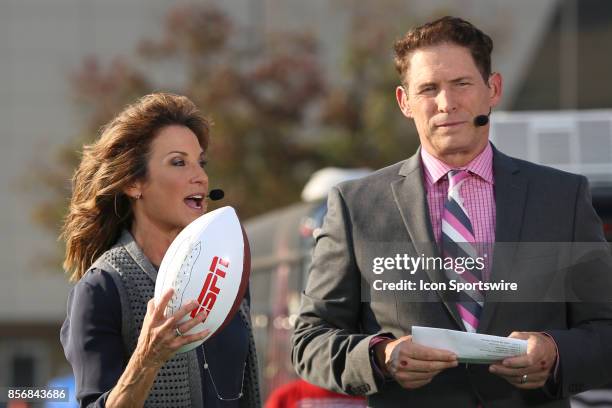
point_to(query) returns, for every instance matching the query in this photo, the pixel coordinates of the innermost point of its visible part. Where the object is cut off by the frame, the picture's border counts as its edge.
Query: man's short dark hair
(447, 29)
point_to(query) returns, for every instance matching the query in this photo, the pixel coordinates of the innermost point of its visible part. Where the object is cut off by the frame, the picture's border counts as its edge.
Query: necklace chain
(207, 368)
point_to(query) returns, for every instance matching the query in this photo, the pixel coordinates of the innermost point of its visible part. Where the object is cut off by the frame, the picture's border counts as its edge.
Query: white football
(209, 261)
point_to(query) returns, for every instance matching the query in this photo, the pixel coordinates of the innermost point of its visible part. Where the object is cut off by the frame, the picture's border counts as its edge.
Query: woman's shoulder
(99, 278)
(114, 258)
(125, 259)
(98, 285)
(103, 278)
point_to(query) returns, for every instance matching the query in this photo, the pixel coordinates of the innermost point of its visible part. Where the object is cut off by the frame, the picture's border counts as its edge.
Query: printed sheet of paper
(471, 348)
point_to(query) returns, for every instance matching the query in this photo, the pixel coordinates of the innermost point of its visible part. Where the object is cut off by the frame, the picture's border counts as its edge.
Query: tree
(276, 116)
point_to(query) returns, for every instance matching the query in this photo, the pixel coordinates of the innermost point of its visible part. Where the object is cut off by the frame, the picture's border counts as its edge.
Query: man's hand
(410, 364)
(530, 370)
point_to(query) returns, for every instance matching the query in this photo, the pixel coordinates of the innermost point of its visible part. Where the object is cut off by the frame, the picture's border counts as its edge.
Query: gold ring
(178, 332)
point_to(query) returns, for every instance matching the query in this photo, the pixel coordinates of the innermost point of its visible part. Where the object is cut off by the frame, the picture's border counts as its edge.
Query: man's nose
(446, 101)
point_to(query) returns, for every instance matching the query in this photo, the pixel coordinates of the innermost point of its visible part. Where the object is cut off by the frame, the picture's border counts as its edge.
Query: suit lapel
(411, 199)
(510, 196)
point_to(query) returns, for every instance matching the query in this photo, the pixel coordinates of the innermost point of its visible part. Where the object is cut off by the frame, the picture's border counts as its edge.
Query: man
(456, 189)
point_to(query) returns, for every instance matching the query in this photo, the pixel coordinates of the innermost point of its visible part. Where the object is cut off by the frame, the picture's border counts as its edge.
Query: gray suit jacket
(334, 327)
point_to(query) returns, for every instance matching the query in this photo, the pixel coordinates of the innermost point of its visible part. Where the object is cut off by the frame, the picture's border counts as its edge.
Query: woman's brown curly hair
(99, 208)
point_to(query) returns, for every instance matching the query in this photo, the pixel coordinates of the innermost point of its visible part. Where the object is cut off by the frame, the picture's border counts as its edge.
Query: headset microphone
(482, 120)
(215, 194)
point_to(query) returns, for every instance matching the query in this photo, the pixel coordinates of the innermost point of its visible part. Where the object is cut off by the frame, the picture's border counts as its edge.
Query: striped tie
(458, 241)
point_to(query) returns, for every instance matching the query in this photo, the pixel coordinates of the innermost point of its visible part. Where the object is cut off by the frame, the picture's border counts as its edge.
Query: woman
(136, 188)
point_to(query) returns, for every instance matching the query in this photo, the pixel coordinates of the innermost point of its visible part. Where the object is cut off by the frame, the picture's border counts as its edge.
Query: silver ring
(524, 379)
(178, 332)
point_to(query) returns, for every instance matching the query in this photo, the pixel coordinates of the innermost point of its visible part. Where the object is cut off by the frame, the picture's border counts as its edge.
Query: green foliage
(277, 116)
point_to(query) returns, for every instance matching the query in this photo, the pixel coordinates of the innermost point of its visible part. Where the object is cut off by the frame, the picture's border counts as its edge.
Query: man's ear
(401, 95)
(495, 88)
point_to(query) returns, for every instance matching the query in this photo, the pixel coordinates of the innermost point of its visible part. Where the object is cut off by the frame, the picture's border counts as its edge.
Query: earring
(138, 196)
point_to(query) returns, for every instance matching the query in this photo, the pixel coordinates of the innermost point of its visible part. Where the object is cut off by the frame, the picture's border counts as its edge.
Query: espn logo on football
(210, 290)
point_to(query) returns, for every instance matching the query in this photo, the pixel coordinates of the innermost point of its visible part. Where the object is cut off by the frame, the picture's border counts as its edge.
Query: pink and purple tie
(458, 242)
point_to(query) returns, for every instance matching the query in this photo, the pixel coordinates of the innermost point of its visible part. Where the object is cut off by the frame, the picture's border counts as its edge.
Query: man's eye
(178, 162)
(427, 89)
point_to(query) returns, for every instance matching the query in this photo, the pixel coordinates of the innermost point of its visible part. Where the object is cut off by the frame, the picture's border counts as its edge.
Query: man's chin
(452, 148)
(453, 145)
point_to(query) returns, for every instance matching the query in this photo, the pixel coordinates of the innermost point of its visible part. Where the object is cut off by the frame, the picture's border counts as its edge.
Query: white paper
(471, 348)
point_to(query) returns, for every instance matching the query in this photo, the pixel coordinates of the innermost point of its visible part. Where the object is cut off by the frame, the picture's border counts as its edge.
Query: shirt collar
(481, 165)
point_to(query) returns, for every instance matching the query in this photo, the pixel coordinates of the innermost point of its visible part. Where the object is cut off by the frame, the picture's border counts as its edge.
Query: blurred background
(292, 87)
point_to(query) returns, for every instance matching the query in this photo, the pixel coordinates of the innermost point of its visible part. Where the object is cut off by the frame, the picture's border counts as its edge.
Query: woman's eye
(203, 163)
(178, 162)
